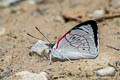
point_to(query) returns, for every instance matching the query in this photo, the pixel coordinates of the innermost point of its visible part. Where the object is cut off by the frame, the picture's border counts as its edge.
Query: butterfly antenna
(49, 46)
(42, 34)
(32, 36)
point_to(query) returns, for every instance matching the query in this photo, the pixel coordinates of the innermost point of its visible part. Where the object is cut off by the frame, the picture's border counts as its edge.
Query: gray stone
(116, 3)
(34, 1)
(2, 51)
(6, 3)
(25, 75)
(98, 13)
(117, 63)
(39, 47)
(108, 71)
(6, 73)
(59, 19)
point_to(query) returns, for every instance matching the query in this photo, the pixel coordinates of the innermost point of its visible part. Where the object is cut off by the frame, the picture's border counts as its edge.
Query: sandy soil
(21, 21)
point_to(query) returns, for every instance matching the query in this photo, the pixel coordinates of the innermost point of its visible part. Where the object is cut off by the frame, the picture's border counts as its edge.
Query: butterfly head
(50, 45)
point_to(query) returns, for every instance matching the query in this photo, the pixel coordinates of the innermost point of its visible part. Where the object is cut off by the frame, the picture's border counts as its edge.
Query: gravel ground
(22, 18)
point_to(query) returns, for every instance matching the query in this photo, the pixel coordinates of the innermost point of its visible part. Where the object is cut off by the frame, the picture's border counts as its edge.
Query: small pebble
(2, 51)
(108, 71)
(34, 1)
(99, 78)
(117, 63)
(59, 19)
(35, 14)
(54, 19)
(41, 11)
(25, 75)
(98, 13)
(50, 70)
(6, 73)
(6, 3)
(116, 3)
(39, 47)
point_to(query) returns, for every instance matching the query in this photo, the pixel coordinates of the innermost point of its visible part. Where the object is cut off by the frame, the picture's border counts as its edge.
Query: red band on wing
(61, 38)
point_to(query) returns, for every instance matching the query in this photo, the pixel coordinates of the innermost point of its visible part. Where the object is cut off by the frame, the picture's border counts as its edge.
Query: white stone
(34, 1)
(59, 19)
(98, 13)
(54, 19)
(39, 47)
(6, 3)
(25, 75)
(106, 71)
(116, 3)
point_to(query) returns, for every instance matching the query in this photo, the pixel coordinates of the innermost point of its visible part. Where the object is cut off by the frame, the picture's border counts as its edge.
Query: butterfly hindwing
(80, 42)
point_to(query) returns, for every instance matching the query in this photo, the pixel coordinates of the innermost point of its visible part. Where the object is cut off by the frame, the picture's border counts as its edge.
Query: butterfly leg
(66, 57)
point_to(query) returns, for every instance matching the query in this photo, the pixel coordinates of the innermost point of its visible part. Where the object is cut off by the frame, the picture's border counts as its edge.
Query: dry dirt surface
(16, 21)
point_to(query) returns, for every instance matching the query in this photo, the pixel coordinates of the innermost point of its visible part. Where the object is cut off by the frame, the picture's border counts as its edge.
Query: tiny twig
(117, 49)
(68, 18)
(107, 17)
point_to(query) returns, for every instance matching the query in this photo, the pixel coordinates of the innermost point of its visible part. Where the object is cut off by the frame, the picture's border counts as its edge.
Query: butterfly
(79, 42)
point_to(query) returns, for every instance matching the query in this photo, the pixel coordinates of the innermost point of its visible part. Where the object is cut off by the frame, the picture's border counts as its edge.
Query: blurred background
(54, 18)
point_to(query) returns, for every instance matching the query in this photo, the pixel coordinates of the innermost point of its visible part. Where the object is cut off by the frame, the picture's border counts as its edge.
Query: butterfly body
(80, 42)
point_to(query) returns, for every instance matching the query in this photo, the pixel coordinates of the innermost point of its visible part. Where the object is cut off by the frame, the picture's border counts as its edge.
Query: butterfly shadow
(56, 60)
